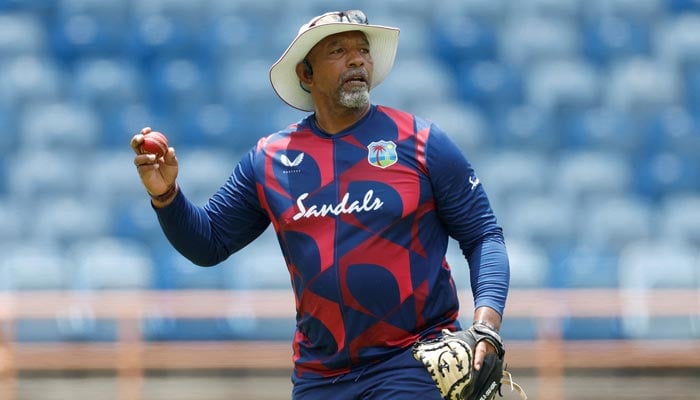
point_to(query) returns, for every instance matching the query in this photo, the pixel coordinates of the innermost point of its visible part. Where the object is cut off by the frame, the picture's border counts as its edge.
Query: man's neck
(332, 122)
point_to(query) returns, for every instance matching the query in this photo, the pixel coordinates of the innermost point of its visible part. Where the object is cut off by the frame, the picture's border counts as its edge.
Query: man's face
(342, 69)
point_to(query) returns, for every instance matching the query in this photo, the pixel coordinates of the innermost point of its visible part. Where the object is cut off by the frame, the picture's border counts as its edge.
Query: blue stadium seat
(563, 84)
(611, 38)
(658, 263)
(525, 127)
(88, 28)
(26, 81)
(260, 265)
(14, 216)
(29, 179)
(643, 10)
(546, 219)
(459, 38)
(664, 173)
(641, 84)
(59, 126)
(123, 185)
(586, 265)
(602, 128)
(589, 175)
(177, 272)
(674, 129)
(615, 221)
(111, 263)
(33, 265)
(682, 6)
(36, 265)
(529, 264)
(66, 219)
(205, 170)
(509, 174)
(177, 84)
(526, 39)
(679, 217)
(21, 34)
(107, 83)
(490, 85)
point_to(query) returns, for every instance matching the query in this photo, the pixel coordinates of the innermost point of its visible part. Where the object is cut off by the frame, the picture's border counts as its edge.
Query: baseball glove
(450, 361)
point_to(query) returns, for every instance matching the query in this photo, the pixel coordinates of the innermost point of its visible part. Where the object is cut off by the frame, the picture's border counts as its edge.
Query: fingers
(482, 348)
(137, 139)
(145, 159)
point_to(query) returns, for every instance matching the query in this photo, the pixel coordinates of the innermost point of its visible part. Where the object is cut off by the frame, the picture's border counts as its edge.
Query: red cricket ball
(154, 143)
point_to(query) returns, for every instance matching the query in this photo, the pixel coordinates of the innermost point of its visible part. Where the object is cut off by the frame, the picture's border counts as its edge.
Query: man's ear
(304, 73)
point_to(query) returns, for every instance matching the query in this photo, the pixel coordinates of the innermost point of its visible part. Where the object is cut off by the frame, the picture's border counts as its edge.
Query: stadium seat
(111, 263)
(611, 38)
(679, 218)
(59, 125)
(584, 175)
(36, 265)
(614, 221)
(21, 34)
(526, 127)
(28, 79)
(641, 84)
(508, 175)
(525, 40)
(586, 265)
(29, 178)
(546, 219)
(529, 264)
(674, 129)
(33, 265)
(603, 129)
(260, 265)
(66, 219)
(563, 84)
(490, 85)
(107, 83)
(205, 170)
(658, 263)
(460, 38)
(643, 10)
(665, 173)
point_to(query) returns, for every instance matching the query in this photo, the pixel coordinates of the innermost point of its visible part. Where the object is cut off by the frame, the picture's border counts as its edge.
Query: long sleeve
(230, 220)
(465, 210)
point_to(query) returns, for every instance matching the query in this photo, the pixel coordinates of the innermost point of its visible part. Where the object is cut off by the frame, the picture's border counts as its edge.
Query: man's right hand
(158, 175)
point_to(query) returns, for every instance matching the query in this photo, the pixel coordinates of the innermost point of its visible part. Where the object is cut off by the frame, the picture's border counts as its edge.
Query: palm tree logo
(382, 154)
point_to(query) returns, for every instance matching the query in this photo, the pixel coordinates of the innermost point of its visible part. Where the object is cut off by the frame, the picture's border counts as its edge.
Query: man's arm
(229, 221)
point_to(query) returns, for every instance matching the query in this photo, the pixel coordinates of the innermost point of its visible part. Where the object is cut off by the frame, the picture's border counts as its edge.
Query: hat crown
(335, 17)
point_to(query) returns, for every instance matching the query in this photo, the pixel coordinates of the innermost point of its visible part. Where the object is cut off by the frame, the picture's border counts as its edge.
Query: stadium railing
(548, 354)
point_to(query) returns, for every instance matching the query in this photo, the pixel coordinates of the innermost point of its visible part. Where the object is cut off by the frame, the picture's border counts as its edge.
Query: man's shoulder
(419, 123)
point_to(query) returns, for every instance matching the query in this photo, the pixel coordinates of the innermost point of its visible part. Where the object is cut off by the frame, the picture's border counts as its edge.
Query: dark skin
(336, 62)
(340, 62)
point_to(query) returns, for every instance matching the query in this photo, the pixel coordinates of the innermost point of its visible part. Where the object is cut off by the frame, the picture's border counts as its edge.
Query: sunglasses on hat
(350, 16)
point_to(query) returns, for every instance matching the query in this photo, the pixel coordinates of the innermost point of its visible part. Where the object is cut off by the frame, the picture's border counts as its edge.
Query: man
(363, 199)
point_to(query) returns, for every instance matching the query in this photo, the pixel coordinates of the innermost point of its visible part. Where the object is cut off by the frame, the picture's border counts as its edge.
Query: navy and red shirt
(363, 219)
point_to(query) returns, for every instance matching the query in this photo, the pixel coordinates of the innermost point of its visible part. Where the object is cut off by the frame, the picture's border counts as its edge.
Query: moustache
(355, 74)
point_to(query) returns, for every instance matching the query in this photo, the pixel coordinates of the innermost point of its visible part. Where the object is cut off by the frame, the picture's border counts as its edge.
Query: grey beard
(354, 98)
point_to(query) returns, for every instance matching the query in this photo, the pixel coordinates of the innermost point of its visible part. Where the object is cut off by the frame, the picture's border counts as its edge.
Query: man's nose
(356, 58)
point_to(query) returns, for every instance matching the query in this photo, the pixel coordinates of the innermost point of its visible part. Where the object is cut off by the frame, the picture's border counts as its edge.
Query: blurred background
(581, 118)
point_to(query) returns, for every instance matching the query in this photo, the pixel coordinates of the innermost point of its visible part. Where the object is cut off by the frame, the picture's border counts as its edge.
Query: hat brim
(383, 42)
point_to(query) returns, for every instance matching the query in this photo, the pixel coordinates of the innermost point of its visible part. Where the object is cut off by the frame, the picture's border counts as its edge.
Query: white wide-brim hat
(383, 43)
